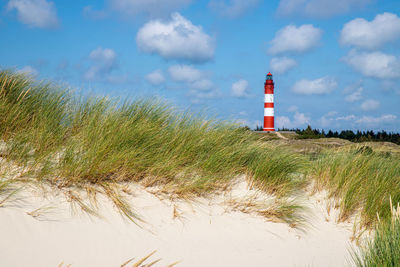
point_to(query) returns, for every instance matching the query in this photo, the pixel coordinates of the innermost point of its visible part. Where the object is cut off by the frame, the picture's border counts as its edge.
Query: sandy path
(206, 233)
(280, 135)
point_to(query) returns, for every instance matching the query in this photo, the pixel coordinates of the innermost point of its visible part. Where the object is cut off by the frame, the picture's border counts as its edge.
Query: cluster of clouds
(362, 36)
(292, 40)
(365, 38)
(103, 67)
(198, 82)
(297, 119)
(43, 13)
(354, 95)
(332, 119)
(172, 37)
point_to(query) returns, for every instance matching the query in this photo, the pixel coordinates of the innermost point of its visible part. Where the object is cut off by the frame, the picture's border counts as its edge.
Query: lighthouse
(269, 104)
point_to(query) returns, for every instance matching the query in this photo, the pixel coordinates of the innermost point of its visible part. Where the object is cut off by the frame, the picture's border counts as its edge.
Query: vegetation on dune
(384, 249)
(70, 141)
(361, 180)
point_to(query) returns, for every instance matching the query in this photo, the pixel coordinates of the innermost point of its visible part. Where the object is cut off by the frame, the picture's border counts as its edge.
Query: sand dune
(45, 231)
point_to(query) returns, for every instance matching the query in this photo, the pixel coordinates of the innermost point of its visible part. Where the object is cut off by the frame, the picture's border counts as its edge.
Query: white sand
(208, 233)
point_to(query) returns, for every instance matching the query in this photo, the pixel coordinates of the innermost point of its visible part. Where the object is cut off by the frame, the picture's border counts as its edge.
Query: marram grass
(361, 180)
(384, 248)
(70, 141)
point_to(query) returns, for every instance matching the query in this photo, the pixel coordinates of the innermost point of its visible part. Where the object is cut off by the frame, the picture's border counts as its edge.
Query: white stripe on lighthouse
(268, 112)
(268, 98)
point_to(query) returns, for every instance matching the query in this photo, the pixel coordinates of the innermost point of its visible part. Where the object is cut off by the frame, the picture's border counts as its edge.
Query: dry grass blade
(76, 199)
(40, 212)
(137, 264)
(127, 262)
(7, 190)
(173, 264)
(120, 203)
(152, 263)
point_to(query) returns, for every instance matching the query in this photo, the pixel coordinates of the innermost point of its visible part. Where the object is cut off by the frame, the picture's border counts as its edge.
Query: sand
(206, 232)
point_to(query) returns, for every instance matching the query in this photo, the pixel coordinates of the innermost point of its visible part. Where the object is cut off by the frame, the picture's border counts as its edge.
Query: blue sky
(336, 63)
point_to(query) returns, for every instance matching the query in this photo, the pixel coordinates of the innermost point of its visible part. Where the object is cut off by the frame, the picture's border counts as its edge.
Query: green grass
(384, 249)
(361, 180)
(70, 141)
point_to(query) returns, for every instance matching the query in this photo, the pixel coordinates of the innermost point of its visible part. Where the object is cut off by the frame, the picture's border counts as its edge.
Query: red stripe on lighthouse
(268, 105)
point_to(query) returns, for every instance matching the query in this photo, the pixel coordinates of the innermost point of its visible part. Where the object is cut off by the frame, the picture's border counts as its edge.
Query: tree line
(358, 136)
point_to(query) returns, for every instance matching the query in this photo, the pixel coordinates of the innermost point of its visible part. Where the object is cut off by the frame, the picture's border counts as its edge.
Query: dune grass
(361, 180)
(384, 249)
(141, 262)
(7, 191)
(67, 140)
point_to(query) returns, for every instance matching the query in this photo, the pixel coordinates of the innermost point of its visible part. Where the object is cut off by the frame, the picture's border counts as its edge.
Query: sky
(335, 63)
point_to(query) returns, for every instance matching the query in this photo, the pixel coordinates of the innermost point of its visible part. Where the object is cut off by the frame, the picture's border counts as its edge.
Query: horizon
(335, 64)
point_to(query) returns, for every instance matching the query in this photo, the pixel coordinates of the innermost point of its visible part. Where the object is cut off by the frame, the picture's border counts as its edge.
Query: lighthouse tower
(269, 104)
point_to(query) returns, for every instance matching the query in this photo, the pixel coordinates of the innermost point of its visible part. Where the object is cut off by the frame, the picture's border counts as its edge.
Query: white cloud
(355, 96)
(240, 88)
(176, 39)
(28, 70)
(280, 65)
(154, 8)
(155, 77)
(198, 96)
(346, 118)
(375, 121)
(295, 39)
(319, 86)
(103, 62)
(202, 85)
(233, 9)
(184, 73)
(299, 119)
(319, 8)
(374, 64)
(35, 13)
(362, 33)
(370, 104)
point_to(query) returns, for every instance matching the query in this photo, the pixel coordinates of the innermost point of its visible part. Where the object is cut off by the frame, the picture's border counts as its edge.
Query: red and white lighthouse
(269, 103)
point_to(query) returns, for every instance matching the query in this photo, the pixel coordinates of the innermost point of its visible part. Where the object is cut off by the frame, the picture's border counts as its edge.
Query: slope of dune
(40, 229)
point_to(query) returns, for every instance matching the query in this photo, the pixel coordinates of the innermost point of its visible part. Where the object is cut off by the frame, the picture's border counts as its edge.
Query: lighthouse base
(269, 130)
